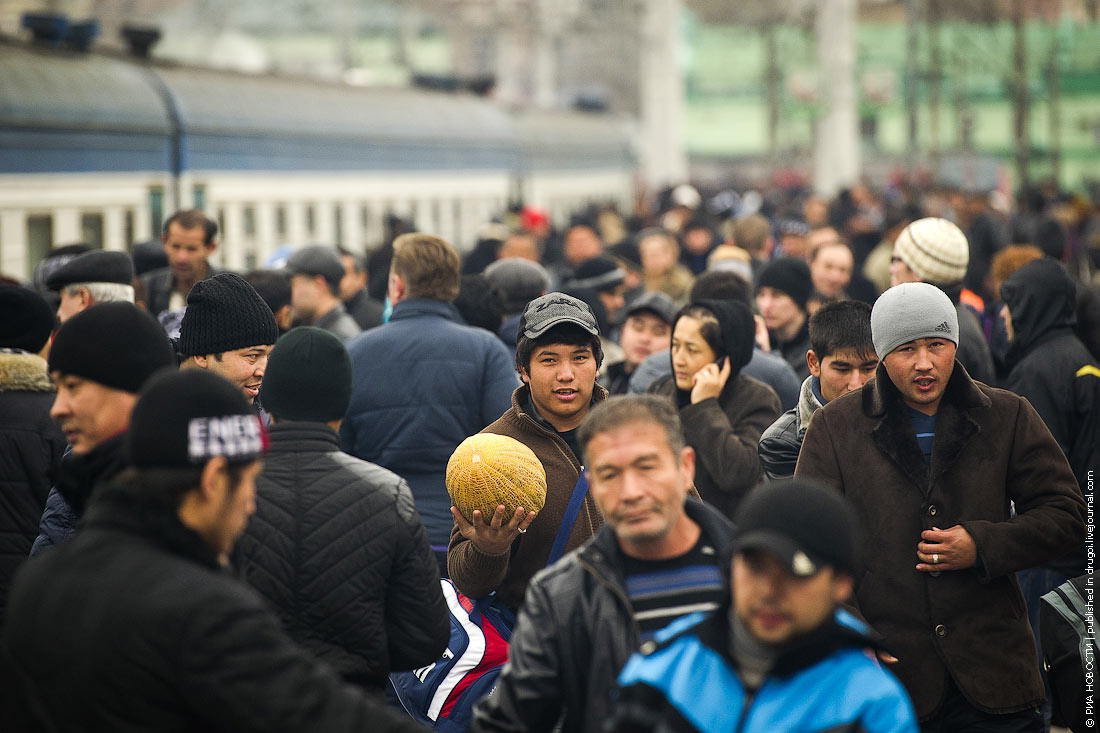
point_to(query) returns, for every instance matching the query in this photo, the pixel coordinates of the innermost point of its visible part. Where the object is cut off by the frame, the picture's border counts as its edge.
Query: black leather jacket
(574, 634)
(338, 549)
(780, 443)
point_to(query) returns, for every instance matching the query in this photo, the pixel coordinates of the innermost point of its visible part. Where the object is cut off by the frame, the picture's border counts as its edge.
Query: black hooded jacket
(1049, 365)
(725, 431)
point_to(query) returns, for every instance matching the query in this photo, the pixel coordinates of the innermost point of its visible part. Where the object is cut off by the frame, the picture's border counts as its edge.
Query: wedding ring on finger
(522, 530)
(935, 559)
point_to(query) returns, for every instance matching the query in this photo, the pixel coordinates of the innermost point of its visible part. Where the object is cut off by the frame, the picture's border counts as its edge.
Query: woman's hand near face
(709, 381)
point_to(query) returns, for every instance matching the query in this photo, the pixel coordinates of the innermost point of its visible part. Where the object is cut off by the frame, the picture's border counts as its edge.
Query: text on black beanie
(115, 344)
(185, 418)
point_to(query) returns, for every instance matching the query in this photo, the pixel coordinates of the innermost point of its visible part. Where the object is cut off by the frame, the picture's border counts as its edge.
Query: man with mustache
(229, 330)
(189, 240)
(655, 559)
(959, 486)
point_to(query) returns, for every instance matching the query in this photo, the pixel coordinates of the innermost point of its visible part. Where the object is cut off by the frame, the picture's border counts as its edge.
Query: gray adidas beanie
(912, 311)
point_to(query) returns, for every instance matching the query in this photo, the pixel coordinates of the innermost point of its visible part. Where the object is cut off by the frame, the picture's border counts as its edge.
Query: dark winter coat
(725, 433)
(337, 548)
(1050, 366)
(973, 352)
(781, 442)
(794, 351)
(424, 382)
(477, 574)
(339, 323)
(991, 448)
(574, 634)
(1068, 636)
(366, 311)
(133, 626)
(78, 477)
(31, 446)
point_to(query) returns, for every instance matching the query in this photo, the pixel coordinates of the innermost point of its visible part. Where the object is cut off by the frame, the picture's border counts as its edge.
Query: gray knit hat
(912, 311)
(935, 249)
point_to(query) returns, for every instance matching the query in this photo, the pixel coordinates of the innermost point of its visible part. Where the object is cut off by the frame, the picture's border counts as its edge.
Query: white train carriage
(100, 148)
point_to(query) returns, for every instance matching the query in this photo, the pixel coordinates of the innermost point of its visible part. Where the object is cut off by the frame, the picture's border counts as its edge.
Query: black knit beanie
(224, 313)
(308, 377)
(789, 275)
(115, 344)
(185, 418)
(26, 320)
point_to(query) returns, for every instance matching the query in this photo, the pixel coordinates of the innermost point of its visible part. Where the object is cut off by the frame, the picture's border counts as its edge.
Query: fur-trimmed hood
(23, 372)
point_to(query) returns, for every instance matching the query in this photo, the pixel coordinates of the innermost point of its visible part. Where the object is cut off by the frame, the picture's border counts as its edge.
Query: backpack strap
(570, 518)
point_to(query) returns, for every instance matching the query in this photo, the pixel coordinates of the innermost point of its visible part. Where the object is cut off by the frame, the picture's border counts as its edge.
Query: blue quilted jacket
(423, 383)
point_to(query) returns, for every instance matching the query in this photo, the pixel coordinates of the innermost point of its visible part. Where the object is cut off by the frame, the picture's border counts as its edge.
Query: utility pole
(1020, 95)
(912, 148)
(836, 148)
(664, 158)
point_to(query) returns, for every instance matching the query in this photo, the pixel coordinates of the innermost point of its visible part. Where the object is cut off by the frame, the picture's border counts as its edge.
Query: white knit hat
(935, 249)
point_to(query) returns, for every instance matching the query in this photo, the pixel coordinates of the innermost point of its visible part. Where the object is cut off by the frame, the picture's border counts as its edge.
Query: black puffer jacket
(132, 626)
(31, 446)
(338, 549)
(574, 634)
(781, 443)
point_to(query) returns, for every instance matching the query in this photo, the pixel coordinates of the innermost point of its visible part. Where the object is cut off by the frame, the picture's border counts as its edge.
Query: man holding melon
(655, 560)
(558, 357)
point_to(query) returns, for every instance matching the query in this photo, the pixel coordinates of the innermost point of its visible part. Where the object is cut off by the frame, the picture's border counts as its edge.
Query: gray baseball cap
(657, 303)
(317, 260)
(554, 309)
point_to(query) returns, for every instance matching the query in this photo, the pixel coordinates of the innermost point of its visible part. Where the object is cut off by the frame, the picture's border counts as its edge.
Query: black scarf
(81, 472)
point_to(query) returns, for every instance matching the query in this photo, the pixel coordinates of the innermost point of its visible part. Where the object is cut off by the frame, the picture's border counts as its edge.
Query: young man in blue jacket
(781, 656)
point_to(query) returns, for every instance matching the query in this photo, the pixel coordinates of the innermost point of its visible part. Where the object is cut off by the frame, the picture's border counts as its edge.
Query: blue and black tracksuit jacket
(825, 681)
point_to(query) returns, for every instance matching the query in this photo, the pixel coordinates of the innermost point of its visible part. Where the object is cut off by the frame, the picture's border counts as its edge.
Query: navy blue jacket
(824, 681)
(424, 382)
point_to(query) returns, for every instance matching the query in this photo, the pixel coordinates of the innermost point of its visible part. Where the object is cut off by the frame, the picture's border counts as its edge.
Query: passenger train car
(101, 148)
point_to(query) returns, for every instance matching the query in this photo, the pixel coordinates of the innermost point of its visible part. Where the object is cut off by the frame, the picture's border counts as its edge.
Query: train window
(91, 230)
(249, 223)
(338, 224)
(280, 220)
(437, 217)
(156, 209)
(128, 229)
(311, 220)
(39, 237)
(198, 195)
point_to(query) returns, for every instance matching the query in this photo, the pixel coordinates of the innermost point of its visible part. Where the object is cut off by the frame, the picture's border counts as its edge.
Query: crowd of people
(809, 465)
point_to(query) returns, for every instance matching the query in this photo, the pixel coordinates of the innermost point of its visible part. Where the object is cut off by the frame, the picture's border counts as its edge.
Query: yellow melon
(487, 470)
